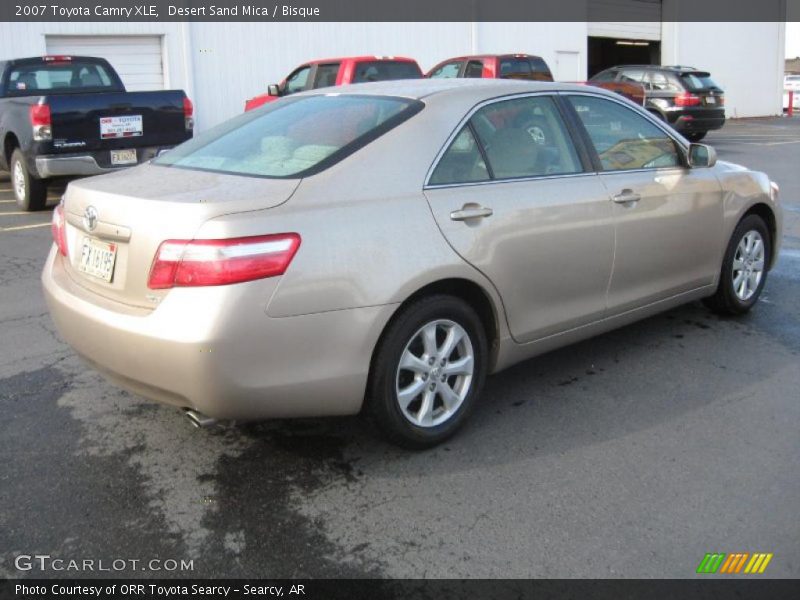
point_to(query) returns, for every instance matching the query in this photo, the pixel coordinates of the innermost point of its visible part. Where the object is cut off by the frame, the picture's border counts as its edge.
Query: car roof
(671, 68)
(480, 89)
(364, 58)
(506, 55)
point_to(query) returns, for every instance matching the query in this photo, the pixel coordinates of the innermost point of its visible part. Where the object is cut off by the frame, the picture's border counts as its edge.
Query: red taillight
(188, 263)
(188, 111)
(58, 227)
(41, 122)
(721, 100)
(687, 99)
(40, 114)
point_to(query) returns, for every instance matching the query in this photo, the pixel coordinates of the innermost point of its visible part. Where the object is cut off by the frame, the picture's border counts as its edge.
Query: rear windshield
(292, 137)
(698, 81)
(59, 77)
(385, 70)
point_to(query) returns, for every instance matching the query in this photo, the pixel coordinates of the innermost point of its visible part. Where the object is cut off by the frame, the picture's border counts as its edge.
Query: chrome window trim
(637, 109)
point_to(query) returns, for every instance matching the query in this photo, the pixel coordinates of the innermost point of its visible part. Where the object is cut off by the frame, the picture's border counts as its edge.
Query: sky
(792, 39)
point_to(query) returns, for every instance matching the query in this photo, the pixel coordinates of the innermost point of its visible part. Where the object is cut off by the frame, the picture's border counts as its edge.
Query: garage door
(638, 19)
(137, 58)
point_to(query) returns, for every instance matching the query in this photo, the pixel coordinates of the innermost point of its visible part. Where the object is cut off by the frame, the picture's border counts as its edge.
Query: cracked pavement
(628, 455)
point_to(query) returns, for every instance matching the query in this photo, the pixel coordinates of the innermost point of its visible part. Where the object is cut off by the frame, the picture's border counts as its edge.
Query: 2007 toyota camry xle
(385, 247)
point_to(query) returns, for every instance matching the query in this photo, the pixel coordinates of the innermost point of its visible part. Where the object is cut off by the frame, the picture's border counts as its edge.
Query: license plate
(98, 258)
(711, 100)
(123, 157)
(121, 127)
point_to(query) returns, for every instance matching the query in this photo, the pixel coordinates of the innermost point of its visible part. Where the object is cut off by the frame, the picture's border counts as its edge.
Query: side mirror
(701, 155)
(274, 89)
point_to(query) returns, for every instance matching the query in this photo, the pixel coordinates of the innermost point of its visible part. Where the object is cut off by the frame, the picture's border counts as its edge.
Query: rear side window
(385, 70)
(518, 138)
(661, 83)
(624, 139)
(294, 138)
(59, 77)
(698, 81)
(326, 75)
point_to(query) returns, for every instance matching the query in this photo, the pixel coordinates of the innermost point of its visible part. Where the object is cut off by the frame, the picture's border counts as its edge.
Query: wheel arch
(10, 143)
(763, 211)
(470, 292)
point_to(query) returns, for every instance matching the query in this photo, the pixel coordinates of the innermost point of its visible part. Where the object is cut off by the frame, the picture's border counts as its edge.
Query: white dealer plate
(97, 258)
(120, 127)
(123, 157)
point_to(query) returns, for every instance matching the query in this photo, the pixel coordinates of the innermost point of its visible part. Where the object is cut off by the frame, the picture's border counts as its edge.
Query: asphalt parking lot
(628, 455)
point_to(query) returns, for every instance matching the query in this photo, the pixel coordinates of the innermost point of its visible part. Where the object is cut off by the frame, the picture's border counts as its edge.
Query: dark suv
(684, 97)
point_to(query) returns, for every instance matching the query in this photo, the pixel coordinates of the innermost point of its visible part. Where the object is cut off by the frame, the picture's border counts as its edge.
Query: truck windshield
(59, 77)
(294, 137)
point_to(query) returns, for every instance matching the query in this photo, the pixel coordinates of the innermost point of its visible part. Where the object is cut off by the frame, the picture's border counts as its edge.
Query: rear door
(668, 217)
(514, 198)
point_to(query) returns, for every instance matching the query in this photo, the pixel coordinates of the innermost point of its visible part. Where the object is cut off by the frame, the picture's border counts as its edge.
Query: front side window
(521, 137)
(294, 138)
(296, 82)
(447, 70)
(624, 139)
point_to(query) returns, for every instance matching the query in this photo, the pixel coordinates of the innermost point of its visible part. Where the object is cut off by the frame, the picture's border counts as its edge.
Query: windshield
(293, 137)
(59, 77)
(698, 81)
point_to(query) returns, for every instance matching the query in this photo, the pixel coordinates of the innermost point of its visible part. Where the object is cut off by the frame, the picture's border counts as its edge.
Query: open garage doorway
(607, 52)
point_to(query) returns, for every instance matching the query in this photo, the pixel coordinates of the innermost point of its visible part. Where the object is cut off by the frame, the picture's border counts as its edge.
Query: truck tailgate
(117, 120)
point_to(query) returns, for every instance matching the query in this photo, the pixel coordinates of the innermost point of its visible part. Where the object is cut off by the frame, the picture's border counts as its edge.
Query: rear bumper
(96, 163)
(215, 349)
(697, 119)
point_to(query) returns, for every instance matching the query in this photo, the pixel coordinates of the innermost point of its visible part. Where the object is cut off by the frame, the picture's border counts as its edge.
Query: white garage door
(137, 58)
(640, 19)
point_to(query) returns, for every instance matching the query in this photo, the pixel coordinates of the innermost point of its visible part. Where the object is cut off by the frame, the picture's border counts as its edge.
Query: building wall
(745, 59)
(220, 65)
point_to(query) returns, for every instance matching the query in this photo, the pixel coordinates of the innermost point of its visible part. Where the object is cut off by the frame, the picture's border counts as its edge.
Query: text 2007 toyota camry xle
(387, 246)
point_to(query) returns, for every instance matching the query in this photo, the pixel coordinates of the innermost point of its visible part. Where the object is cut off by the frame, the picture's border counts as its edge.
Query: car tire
(30, 192)
(744, 268)
(422, 386)
(695, 136)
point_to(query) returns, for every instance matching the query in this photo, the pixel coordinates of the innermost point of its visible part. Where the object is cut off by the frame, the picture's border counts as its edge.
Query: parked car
(791, 83)
(339, 71)
(70, 115)
(493, 66)
(368, 250)
(684, 97)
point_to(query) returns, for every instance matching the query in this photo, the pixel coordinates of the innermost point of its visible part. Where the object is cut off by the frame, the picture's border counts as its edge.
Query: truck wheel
(29, 191)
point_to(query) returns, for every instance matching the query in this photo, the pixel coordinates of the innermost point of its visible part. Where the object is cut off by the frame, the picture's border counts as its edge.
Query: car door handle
(626, 196)
(471, 212)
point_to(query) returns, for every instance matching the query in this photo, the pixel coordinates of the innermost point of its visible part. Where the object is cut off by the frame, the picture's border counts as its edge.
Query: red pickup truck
(339, 71)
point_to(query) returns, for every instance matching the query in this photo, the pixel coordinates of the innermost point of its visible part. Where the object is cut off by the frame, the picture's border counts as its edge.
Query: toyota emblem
(90, 218)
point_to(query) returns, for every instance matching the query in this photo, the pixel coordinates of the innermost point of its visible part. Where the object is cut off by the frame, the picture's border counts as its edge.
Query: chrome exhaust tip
(198, 419)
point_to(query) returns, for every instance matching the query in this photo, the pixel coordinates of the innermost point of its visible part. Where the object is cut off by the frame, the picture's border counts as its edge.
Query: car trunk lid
(116, 222)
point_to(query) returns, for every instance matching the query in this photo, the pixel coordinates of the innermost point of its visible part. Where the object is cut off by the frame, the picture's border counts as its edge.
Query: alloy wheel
(748, 265)
(435, 373)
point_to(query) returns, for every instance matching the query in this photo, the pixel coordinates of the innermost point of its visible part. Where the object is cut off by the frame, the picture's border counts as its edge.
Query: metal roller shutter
(641, 19)
(137, 58)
